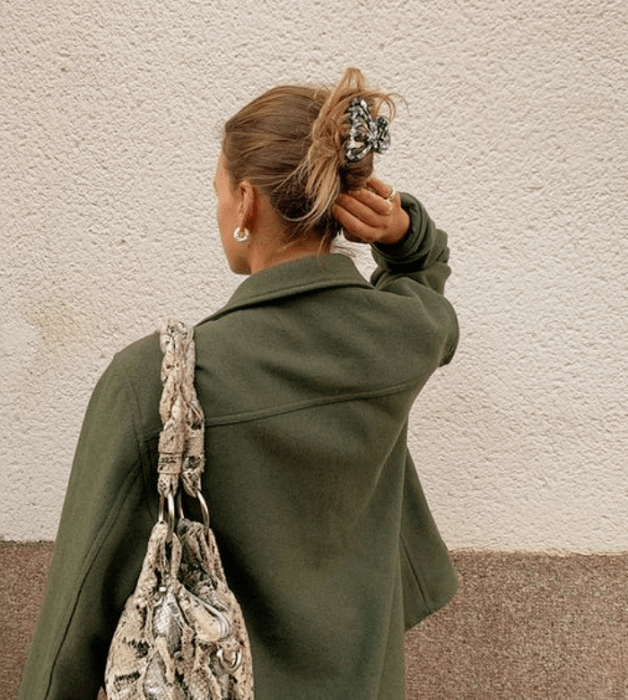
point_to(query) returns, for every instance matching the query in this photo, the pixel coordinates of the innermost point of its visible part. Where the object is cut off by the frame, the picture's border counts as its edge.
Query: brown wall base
(523, 626)
(526, 627)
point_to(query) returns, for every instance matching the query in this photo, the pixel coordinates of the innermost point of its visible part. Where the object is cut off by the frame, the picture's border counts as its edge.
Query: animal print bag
(181, 635)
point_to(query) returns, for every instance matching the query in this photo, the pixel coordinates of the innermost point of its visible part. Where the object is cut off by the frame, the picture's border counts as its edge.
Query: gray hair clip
(365, 133)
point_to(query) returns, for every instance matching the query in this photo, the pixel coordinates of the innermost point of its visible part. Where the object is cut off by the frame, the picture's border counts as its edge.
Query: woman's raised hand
(372, 215)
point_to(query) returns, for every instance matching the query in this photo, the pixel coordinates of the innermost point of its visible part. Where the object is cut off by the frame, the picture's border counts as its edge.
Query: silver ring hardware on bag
(171, 513)
(223, 620)
(204, 510)
(225, 665)
(202, 504)
(180, 512)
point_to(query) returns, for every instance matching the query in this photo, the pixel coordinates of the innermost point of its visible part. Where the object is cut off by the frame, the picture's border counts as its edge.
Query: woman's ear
(247, 206)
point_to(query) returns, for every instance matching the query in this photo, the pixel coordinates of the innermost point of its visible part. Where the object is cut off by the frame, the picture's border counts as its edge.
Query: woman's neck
(264, 256)
(270, 244)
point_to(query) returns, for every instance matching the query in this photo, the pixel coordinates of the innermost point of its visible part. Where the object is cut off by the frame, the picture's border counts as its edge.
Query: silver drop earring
(241, 235)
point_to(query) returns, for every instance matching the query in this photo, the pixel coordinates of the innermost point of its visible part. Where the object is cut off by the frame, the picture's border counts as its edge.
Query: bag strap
(181, 441)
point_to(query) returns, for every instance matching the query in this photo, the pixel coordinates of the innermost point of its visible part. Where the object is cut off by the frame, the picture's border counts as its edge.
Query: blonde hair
(290, 142)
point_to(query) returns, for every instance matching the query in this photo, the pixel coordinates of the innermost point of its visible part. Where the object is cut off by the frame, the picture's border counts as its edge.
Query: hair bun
(345, 135)
(298, 145)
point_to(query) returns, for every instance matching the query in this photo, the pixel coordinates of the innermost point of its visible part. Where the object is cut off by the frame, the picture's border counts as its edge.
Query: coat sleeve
(417, 270)
(100, 544)
(418, 267)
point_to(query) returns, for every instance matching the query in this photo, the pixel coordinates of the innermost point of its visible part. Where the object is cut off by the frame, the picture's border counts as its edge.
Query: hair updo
(290, 142)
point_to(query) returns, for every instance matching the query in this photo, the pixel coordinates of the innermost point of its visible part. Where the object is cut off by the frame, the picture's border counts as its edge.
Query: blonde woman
(306, 377)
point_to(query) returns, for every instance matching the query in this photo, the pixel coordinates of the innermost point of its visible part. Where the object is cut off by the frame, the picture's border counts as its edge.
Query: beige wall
(514, 137)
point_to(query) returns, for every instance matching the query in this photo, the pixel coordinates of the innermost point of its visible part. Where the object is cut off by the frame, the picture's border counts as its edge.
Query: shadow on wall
(535, 627)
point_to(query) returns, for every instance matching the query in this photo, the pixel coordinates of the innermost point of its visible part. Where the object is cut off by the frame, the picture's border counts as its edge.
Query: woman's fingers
(365, 207)
(368, 216)
(351, 218)
(372, 201)
(381, 188)
(363, 216)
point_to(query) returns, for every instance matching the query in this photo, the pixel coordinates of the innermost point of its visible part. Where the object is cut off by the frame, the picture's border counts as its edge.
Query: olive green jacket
(306, 378)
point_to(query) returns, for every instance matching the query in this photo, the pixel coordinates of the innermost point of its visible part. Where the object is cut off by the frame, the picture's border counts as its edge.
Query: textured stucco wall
(515, 138)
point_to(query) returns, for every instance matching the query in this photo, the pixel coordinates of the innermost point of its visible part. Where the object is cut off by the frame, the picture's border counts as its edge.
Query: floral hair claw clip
(366, 133)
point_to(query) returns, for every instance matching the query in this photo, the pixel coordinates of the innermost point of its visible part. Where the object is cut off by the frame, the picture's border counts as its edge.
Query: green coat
(306, 378)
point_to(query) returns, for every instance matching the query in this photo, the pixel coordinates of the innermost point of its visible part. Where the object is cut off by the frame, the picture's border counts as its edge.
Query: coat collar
(292, 278)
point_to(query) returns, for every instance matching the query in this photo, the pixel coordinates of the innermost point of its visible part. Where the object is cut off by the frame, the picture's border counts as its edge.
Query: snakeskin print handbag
(181, 635)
